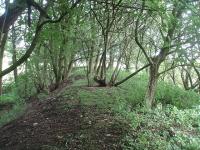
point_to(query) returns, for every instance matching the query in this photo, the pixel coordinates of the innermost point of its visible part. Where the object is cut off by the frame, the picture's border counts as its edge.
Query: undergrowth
(163, 128)
(174, 124)
(17, 108)
(165, 93)
(134, 90)
(14, 97)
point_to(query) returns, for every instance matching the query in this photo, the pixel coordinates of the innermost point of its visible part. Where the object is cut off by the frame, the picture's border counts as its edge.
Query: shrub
(174, 95)
(134, 91)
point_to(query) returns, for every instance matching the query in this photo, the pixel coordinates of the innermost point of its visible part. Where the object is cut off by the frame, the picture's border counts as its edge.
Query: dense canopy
(152, 44)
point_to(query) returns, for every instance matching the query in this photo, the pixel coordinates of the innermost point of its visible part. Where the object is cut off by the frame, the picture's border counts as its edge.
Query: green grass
(8, 98)
(17, 109)
(15, 112)
(173, 124)
(174, 95)
(163, 128)
(133, 91)
(166, 93)
(101, 97)
(151, 130)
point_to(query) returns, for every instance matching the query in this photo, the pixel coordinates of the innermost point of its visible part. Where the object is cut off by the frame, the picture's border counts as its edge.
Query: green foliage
(11, 106)
(79, 77)
(165, 127)
(174, 95)
(134, 91)
(93, 96)
(162, 129)
(12, 114)
(12, 103)
(8, 98)
(81, 37)
(23, 88)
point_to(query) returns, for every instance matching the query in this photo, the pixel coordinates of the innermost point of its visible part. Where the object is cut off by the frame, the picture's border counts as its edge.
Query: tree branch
(34, 42)
(131, 75)
(173, 67)
(136, 35)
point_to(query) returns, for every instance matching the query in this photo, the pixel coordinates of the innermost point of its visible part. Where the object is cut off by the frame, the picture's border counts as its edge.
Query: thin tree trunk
(151, 89)
(14, 55)
(97, 61)
(111, 61)
(114, 74)
(131, 75)
(90, 66)
(173, 77)
(2, 48)
(137, 60)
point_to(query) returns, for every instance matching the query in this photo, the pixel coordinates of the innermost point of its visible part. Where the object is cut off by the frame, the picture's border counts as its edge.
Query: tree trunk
(90, 65)
(151, 89)
(14, 59)
(68, 68)
(6, 20)
(1, 63)
(101, 71)
(198, 76)
(173, 77)
(137, 60)
(116, 71)
(14, 55)
(97, 61)
(111, 61)
(2, 47)
(131, 75)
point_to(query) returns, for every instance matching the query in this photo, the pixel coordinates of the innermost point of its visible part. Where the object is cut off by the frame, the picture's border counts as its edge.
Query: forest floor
(61, 122)
(77, 117)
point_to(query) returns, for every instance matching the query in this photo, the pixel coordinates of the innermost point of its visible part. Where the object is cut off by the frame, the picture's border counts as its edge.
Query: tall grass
(133, 91)
(166, 93)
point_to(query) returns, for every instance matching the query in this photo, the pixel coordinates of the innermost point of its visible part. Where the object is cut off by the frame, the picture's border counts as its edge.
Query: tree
(167, 32)
(13, 11)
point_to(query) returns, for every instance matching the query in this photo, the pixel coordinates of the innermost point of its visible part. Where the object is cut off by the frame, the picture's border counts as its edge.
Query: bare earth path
(46, 125)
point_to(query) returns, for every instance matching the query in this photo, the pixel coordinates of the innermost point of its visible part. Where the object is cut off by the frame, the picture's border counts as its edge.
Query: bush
(16, 109)
(174, 95)
(134, 91)
(14, 96)
(168, 128)
(23, 88)
(12, 114)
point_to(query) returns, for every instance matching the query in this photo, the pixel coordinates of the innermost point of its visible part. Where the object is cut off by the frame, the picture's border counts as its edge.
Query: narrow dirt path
(46, 126)
(43, 124)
